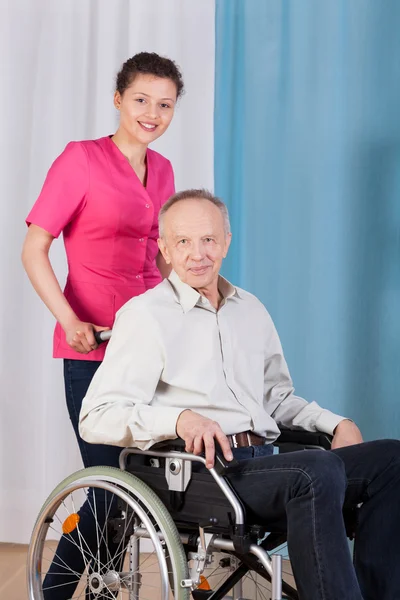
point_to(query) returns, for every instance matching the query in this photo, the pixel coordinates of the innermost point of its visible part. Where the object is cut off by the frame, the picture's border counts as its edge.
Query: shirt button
(147, 205)
(141, 239)
(204, 300)
(138, 276)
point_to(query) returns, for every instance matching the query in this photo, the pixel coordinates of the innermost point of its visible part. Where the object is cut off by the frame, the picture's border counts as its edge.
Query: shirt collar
(188, 297)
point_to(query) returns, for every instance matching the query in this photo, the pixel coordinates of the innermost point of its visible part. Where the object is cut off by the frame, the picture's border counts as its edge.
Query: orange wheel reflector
(204, 585)
(70, 523)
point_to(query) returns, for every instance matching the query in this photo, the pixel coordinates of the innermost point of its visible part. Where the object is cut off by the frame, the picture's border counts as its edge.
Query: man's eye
(209, 239)
(182, 242)
(141, 100)
(165, 106)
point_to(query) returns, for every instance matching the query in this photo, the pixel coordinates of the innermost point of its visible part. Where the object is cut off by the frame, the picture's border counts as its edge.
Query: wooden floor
(12, 572)
(13, 575)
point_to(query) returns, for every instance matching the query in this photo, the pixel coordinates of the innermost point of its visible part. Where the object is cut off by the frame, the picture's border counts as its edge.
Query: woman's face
(146, 107)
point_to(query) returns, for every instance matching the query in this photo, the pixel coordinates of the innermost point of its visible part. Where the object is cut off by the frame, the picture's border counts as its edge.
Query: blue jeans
(304, 493)
(77, 376)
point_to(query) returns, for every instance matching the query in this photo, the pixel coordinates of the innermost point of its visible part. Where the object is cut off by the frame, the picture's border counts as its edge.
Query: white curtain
(58, 63)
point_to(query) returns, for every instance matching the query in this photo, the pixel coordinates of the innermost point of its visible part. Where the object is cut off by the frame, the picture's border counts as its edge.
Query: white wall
(58, 63)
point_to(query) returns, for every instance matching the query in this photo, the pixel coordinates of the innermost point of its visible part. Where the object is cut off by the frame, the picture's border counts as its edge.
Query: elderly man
(200, 359)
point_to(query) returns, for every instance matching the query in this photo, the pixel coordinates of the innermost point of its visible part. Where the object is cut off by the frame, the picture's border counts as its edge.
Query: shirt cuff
(328, 421)
(164, 425)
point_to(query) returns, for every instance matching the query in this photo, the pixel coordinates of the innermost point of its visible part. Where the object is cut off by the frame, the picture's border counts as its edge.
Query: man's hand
(346, 434)
(199, 433)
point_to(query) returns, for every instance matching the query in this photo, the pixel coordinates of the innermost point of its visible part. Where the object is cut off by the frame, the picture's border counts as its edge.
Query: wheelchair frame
(238, 545)
(288, 441)
(273, 565)
(242, 542)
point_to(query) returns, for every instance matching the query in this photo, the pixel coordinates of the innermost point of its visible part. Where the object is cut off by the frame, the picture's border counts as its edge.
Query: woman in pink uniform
(104, 195)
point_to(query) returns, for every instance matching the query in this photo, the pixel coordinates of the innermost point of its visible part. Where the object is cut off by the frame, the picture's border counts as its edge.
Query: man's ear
(228, 240)
(163, 249)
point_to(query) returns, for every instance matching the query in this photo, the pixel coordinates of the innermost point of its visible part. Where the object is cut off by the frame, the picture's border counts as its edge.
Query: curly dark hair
(149, 63)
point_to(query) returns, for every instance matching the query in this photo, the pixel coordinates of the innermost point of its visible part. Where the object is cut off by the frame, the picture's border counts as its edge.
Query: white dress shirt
(172, 350)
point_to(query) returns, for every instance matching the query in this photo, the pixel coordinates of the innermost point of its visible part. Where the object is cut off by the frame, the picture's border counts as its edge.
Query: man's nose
(197, 252)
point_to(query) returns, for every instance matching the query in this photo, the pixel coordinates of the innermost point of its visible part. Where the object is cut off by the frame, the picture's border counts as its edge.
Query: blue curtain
(307, 157)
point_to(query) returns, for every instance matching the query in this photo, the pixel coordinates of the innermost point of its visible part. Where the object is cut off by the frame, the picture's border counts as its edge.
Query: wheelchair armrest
(178, 444)
(175, 444)
(303, 439)
(221, 464)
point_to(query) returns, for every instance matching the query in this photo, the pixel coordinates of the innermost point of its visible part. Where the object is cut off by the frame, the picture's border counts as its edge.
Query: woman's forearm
(40, 272)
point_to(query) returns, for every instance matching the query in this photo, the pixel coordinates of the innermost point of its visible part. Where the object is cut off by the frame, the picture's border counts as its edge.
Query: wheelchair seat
(201, 503)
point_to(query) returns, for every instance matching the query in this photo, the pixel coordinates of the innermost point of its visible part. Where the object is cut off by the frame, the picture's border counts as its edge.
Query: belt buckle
(235, 442)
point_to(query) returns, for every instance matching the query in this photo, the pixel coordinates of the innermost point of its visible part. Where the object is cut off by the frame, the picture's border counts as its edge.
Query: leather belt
(245, 439)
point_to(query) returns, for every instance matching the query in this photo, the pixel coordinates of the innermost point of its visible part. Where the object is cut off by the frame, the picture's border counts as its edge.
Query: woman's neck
(134, 151)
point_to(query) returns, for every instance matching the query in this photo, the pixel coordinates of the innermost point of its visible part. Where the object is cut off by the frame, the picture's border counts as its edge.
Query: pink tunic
(110, 228)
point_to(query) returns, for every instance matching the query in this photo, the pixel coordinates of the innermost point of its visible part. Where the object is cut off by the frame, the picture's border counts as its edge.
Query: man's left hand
(346, 434)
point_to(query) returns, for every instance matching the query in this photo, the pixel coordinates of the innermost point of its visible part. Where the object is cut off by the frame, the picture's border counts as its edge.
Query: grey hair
(199, 194)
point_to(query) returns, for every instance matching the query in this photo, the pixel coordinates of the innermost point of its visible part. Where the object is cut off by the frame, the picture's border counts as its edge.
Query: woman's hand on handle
(80, 336)
(35, 258)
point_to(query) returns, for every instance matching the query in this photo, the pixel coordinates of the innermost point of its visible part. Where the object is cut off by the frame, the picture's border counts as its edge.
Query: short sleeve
(64, 191)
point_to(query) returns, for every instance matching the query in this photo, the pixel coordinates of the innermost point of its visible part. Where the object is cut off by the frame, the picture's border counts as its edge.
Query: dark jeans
(304, 493)
(77, 377)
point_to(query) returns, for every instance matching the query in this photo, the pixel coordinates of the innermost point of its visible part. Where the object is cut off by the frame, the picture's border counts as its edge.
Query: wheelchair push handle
(102, 336)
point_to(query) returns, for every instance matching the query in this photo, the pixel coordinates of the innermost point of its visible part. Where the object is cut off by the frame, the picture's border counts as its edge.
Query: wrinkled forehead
(193, 217)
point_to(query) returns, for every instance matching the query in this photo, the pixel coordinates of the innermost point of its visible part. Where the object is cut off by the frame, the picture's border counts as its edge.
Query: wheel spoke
(80, 536)
(109, 558)
(97, 530)
(79, 546)
(51, 587)
(160, 568)
(58, 564)
(117, 552)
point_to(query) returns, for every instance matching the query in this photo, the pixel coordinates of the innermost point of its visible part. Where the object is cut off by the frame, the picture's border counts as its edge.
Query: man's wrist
(344, 421)
(179, 416)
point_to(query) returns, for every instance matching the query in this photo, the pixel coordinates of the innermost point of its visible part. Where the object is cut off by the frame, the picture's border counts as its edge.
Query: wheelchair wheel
(103, 534)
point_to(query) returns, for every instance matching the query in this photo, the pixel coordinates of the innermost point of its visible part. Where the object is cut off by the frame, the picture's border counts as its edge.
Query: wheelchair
(178, 530)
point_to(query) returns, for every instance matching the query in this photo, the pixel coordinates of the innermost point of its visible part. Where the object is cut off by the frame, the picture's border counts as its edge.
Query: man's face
(195, 242)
